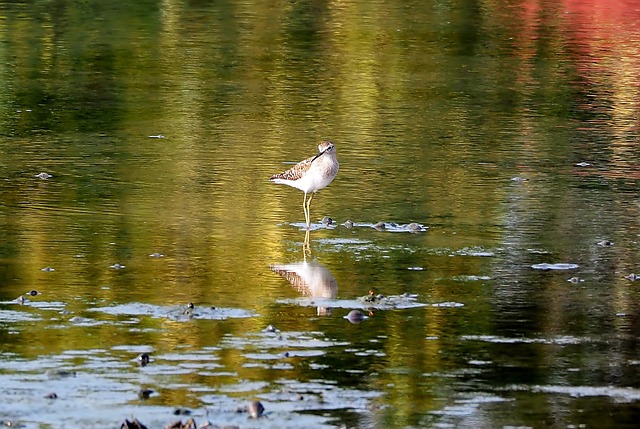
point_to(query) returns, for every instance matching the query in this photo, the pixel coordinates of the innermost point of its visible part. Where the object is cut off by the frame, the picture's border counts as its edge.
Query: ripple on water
(559, 340)
(618, 394)
(558, 266)
(174, 313)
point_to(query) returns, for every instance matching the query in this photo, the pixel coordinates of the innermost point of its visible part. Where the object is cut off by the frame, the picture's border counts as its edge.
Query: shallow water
(496, 143)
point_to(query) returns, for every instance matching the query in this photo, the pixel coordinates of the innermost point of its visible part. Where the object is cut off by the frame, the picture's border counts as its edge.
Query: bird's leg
(309, 209)
(304, 208)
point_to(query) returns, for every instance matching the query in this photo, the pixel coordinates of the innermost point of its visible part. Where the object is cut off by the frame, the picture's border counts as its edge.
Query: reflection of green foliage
(433, 106)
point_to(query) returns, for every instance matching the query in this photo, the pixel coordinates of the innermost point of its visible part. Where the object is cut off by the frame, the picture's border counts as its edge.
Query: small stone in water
(158, 136)
(47, 269)
(117, 266)
(156, 255)
(327, 220)
(33, 292)
(51, 395)
(575, 280)
(605, 243)
(143, 359)
(583, 164)
(21, 300)
(270, 328)
(144, 393)
(633, 277)
(348, 224)
(43, 175)
(414, 227)
(355, 316)
(380, 226)
(255, 409)
(181, 411)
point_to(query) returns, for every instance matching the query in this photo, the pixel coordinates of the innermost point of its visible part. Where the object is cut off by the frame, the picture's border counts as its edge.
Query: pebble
(349, 224)
(415, 227)
(380, 226)
(255, 409)
(327, 220)
(144, 393)
(143, 359)
(355, 316)
(117, 266)
(47, 269)
(43, 175)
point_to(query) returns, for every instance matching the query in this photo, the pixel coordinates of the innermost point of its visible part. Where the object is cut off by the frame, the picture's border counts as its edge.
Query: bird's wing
(297, 171)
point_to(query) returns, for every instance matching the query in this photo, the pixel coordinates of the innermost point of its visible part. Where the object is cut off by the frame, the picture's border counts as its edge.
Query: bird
(311, 175)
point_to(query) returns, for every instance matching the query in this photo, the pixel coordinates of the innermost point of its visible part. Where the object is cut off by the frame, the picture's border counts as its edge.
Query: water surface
(507, 129)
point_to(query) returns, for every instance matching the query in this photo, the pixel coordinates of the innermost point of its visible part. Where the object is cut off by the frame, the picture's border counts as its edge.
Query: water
(508, 130)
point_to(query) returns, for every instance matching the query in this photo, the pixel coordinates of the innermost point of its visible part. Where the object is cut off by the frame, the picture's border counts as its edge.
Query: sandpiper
(311, 175)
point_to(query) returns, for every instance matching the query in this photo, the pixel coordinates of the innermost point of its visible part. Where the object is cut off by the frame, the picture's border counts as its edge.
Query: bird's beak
(320, 154)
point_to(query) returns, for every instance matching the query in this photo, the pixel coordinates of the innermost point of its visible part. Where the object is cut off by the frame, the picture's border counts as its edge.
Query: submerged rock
(349, 224)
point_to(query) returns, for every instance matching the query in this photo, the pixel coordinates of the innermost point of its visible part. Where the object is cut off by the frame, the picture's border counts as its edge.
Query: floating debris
(189, 424)
(43, 175)
(134, 424)
(559, 266)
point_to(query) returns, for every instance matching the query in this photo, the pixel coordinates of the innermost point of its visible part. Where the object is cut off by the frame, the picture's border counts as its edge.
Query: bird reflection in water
(311, 279)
